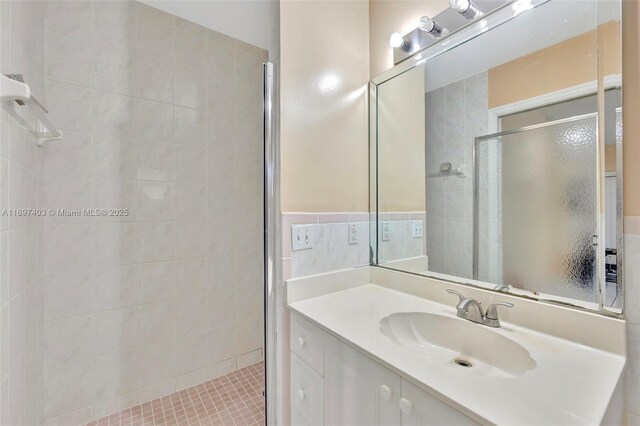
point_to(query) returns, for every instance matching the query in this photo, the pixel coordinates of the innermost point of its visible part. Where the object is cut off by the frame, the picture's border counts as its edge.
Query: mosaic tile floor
(233, 399)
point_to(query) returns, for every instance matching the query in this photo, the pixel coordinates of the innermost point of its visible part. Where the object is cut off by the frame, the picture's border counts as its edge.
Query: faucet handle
(492, 310)
(460, 295)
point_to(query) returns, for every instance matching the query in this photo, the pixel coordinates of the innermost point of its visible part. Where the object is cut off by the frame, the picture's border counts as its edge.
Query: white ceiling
(246, 20)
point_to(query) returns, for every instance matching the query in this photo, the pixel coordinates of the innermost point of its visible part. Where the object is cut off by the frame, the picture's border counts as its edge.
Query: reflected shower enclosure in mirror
(497, 155)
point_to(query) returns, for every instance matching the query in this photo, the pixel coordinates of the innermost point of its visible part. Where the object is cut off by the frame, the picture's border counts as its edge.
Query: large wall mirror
(497, 155)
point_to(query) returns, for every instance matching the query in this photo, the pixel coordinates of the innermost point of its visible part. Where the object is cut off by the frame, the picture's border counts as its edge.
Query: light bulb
(465, 8)
(460, 5)
(430, 26)
(396, 40)
(399, 42)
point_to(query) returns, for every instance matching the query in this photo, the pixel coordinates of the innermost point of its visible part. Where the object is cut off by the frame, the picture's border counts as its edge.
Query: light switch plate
(353, 233)
(386, 231)
(416, 229)
(301, 237)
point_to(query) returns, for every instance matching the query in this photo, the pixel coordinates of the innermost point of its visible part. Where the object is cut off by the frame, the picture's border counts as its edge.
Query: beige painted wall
(556, 67)
(631, 106)
(401, 110)
(387, 17)
(324, 121)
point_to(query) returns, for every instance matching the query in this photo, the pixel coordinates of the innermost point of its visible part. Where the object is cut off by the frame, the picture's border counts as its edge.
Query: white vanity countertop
(571, 383)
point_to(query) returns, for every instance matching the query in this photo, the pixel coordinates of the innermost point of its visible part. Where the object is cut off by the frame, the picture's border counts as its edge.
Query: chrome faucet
(470, 309)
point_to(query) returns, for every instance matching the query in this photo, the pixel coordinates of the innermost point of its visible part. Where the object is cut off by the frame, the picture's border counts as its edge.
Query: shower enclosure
(520, 174)
(137, 292)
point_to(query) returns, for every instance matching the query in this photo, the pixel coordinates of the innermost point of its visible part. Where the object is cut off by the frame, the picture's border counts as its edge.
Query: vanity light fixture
(430, 26)
(465, 8)
(399, 42)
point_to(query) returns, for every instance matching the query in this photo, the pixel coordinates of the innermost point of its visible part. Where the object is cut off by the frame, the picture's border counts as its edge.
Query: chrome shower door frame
(271, 257)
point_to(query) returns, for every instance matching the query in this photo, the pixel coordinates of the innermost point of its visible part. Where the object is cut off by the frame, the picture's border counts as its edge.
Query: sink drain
(463, 363)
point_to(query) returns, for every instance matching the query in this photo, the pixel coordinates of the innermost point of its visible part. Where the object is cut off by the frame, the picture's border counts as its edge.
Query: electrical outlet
(386, 231)
(353, 233)
(301, 237)
(416, 229)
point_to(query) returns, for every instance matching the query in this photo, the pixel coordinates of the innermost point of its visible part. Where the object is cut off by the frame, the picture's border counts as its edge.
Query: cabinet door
(421, 409)
(358, 391)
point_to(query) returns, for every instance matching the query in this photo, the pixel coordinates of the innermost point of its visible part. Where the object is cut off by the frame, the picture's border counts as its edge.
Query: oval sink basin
(469, 342)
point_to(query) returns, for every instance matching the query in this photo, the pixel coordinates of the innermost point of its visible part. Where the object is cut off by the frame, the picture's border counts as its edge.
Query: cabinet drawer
(306, 342)
(307, 392)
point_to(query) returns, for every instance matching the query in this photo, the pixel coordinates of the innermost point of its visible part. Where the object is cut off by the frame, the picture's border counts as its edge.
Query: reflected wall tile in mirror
(454, 113)
(454, 204)
(458, 260)
(454, 154)
(435, 229)
(434, 153)
(476, 93)
(435, 204)
(434, 106)
(455, 230)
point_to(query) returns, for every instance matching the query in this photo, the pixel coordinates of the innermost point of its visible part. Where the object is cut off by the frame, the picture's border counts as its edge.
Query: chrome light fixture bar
(431, 30)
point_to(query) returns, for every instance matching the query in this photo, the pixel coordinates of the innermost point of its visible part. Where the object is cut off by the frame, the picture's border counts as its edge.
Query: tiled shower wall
(162, 118)
(450, 198)
(21, 322)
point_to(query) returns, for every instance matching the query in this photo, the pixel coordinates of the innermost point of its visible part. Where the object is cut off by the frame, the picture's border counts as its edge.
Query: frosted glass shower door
(537, 210)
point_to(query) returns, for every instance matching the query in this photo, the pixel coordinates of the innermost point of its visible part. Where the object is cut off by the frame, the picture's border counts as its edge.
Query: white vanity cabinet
(358, 391)
(335, 385)
(421, 409)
